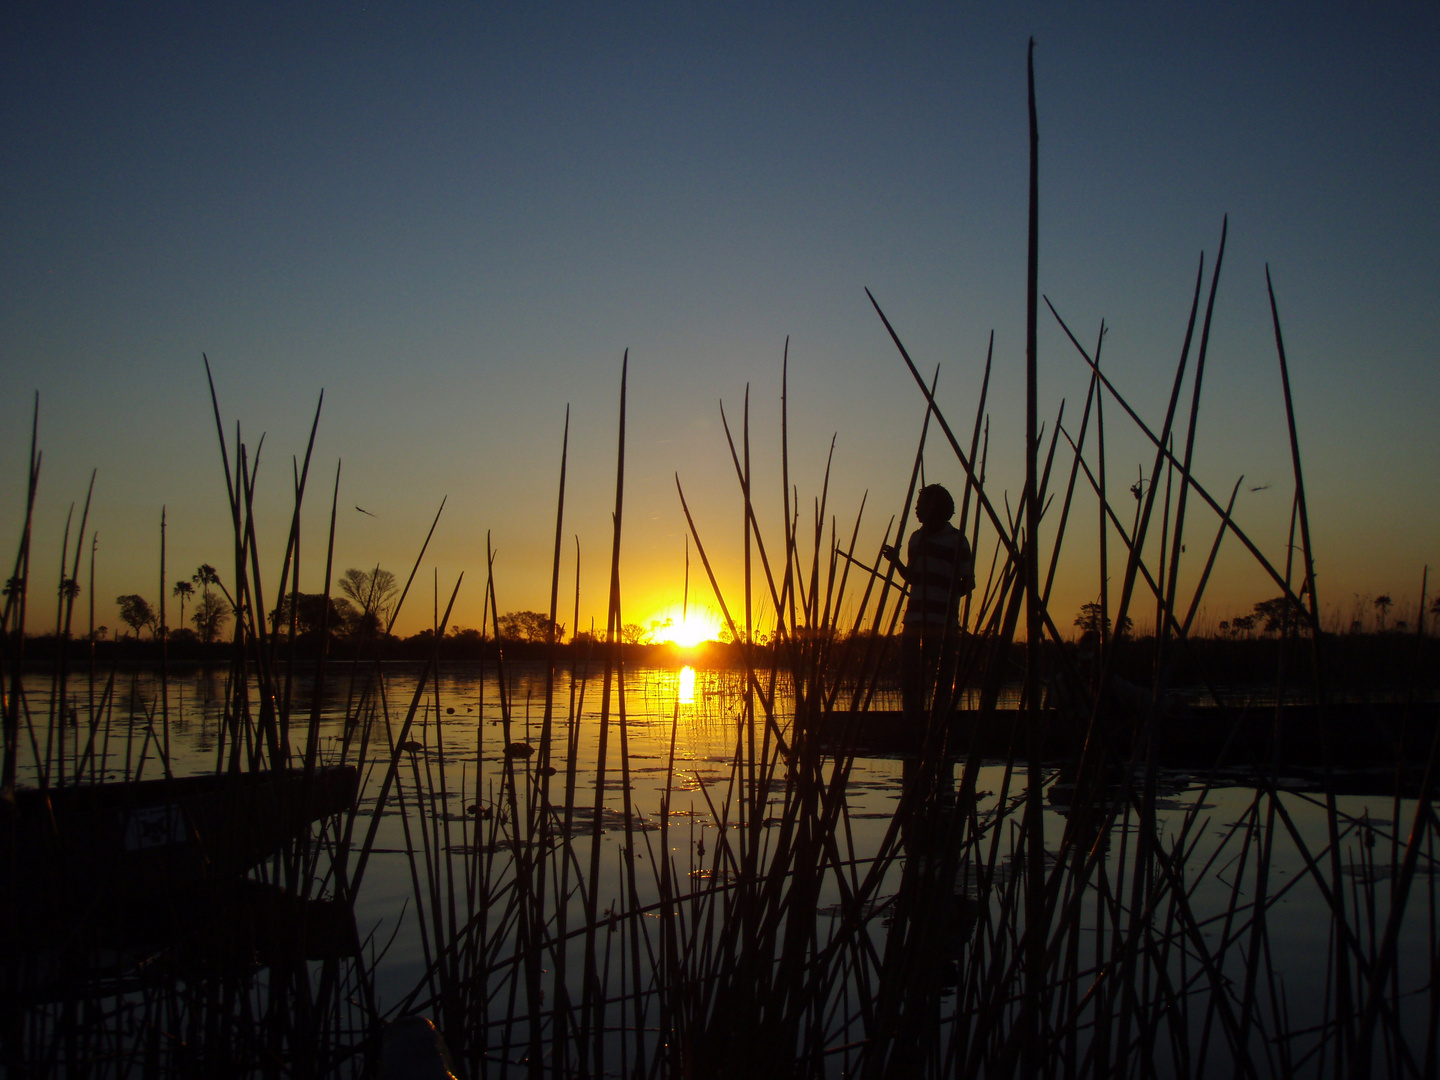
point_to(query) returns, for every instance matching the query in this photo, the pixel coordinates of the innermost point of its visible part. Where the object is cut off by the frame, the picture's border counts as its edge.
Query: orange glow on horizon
(698, 625)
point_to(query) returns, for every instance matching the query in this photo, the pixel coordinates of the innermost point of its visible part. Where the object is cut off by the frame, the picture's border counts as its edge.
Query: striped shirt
(940, 571)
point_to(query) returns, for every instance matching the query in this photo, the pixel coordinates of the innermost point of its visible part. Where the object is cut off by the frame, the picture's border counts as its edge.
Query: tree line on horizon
(365, 608)
(1269, 617)
(367, 602)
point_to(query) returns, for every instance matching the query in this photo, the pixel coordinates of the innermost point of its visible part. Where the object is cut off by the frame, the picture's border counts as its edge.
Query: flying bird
(366, 512)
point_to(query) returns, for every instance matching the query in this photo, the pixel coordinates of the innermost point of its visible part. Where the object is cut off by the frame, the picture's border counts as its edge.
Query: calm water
(461, 736)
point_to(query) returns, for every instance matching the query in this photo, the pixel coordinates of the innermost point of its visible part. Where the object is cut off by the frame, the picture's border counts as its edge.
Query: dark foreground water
(448, 795)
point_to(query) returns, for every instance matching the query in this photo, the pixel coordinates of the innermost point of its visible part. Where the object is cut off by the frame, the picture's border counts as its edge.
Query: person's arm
(893, 554)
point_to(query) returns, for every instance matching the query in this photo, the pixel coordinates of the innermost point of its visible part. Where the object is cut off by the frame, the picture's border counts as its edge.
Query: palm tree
(184, 590)
(1382, 605)
(205, 576)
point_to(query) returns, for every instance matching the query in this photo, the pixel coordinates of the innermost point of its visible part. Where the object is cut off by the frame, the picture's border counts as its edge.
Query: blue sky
(456, 219)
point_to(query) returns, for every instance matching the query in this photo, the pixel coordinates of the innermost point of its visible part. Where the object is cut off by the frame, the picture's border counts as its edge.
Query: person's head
(934, 505)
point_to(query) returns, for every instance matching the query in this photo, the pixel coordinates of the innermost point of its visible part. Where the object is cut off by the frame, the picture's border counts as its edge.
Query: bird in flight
(366, 512)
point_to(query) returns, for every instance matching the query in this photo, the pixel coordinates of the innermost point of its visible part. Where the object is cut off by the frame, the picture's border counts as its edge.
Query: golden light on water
(687, 686)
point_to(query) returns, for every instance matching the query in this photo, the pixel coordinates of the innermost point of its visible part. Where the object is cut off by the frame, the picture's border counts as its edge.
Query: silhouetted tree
(310, 614)
(1272, 614)
(1382, 608)
(69, 590)
(184, 590)
(467, 637)
(374, 594)
(634, 634)
(210, 615)
(1091, 616)
(528, 626)
(136, 612)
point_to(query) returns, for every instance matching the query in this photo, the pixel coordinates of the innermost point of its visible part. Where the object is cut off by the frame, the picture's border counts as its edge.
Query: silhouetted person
(940, 571)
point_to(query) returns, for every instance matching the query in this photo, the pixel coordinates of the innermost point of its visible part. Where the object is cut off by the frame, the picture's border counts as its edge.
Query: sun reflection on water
(687, 686)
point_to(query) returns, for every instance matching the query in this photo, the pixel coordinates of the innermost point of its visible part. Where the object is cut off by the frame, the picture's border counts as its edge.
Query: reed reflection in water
(448, 825)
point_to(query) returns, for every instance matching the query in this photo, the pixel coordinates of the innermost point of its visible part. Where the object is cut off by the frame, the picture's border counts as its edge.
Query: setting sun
(697, 625)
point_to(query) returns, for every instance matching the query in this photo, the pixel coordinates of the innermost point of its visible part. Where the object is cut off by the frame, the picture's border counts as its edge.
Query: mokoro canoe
(1367, 734)
(135, 840)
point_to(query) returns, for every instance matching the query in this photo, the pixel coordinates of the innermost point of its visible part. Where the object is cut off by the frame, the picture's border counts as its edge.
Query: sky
(456, 219)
